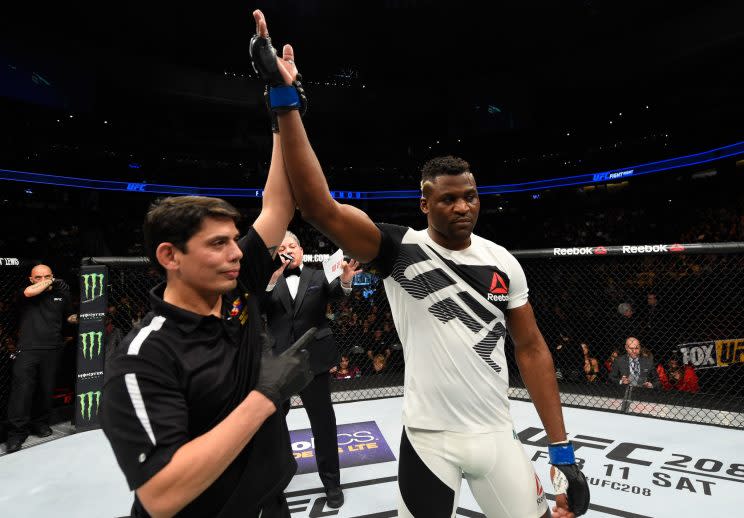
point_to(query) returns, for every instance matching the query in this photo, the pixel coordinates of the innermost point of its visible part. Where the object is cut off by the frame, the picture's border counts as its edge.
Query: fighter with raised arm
(453, 296)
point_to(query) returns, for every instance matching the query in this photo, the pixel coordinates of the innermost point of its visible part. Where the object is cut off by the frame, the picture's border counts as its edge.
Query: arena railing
(680, 300)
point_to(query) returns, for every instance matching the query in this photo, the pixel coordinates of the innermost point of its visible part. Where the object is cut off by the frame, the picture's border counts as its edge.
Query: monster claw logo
(90, 342)
(93, 286)
(86, 403)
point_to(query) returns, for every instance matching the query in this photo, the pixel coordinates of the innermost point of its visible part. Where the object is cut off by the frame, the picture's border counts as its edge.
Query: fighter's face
(452, 205)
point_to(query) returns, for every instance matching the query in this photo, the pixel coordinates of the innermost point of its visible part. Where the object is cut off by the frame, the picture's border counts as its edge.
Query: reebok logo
(645, 249)
(498, 290)
(498, 286)
(584, 250)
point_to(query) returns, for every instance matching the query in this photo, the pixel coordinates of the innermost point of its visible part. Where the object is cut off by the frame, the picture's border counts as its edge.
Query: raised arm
(278, 205)
(348, 227)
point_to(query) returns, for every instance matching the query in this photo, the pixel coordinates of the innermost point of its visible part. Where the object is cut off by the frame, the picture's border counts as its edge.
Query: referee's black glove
(287, 373)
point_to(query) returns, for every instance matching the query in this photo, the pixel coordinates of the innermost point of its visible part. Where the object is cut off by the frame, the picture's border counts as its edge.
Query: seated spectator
(379, 364)
(330, 315)
(610, 360)
(646, 353)
(379, 345)
(678, 377)
(633, 369)
(626, 323)
(591, 365)
(112, 334)
(568, 359)
(345, 370)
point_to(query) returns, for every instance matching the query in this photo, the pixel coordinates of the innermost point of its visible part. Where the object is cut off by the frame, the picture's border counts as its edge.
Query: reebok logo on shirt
(498, 292)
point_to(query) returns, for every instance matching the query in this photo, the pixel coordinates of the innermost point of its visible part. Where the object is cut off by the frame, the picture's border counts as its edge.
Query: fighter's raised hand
(272, 68)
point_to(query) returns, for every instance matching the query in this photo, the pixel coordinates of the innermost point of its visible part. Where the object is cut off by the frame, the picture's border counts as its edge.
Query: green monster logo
(86, 403)
(93, 286)
(91, 341)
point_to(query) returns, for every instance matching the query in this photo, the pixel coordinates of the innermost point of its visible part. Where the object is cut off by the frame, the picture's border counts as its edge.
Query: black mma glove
(60, 285)
(279, 96)
(287, 373)
(567, 478)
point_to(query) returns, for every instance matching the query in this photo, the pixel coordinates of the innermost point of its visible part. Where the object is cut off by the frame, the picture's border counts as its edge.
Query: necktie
(635, 371)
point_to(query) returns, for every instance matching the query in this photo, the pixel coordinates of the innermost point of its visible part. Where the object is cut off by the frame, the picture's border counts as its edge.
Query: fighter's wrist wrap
(561, 453)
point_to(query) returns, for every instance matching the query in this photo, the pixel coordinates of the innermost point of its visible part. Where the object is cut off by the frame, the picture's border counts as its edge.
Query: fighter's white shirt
(448, 307)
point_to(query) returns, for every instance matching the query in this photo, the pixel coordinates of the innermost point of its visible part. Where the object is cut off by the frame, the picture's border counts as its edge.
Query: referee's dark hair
(442, 165)
(176, 219)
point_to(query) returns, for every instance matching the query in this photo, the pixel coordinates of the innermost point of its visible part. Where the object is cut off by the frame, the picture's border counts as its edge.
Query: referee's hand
(287, 373)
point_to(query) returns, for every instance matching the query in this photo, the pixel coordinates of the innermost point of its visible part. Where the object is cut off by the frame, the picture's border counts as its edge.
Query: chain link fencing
(682, 302)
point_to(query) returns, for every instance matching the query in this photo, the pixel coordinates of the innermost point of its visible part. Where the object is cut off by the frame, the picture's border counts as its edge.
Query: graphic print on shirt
(480, 276)
(448, 309)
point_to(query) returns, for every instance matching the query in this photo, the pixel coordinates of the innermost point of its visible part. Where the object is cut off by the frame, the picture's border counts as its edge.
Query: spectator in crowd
(45, 306)
(377, 346)
(591, 365)
(627, 323)
(379, 364)
(647, 353)
(678, 377)
(345, 370)
(297, 300)
(112, 334)
(633, 369)
(651, 319)
(611, 360)
(568, 359)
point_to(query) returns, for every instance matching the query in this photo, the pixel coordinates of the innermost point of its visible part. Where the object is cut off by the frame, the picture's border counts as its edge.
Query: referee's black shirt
(42, 318)
(179, 375)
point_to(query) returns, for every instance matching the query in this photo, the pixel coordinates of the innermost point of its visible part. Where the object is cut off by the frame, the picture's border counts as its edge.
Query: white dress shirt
(293, 283)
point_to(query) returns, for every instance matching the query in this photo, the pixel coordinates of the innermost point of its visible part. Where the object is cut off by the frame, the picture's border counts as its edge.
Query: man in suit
(633, 369)
(296, 302)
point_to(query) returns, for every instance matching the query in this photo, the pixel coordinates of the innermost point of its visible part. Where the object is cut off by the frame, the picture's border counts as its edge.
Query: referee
(190, 398)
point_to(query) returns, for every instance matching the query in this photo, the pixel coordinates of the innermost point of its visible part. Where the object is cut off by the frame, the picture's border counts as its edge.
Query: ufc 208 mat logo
(88, 403)
(91, 343)
(92, 286)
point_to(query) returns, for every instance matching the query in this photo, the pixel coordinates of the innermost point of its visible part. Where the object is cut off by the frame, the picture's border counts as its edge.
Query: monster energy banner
(91, 346)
